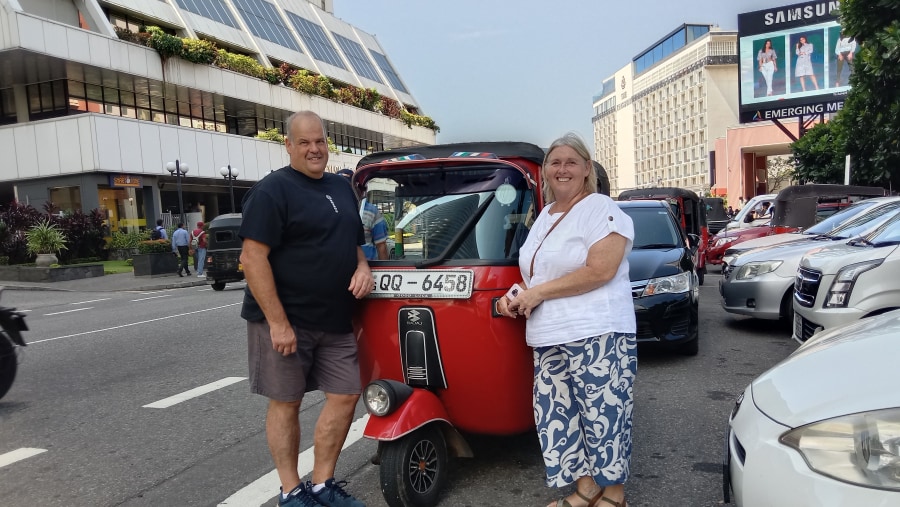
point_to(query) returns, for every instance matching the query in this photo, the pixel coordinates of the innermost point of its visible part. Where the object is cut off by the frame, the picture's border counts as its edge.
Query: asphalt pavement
(111, 283)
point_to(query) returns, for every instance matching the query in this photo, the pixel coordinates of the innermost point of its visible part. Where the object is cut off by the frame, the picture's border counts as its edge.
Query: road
(141, 399)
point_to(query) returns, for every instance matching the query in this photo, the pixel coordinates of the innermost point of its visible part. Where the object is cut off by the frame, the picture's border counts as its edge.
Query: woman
(576, 295)
(804, 66)
(767, 64)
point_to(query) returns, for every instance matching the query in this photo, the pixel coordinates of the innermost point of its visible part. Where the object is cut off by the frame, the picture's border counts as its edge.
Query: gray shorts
(324, 361)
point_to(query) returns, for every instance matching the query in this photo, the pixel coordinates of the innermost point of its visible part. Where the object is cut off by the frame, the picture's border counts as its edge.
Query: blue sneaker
(333, 495)
(298, 497)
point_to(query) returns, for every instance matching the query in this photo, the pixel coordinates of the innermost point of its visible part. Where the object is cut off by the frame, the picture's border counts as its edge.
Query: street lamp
(178, 170)
(230, 174)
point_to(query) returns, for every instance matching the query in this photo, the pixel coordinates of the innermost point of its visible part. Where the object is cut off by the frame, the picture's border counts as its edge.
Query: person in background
(374, 226)
(160, 230)
(200, 252)
(730, 212)
(305, 270)
(180, 243)
(573, 263)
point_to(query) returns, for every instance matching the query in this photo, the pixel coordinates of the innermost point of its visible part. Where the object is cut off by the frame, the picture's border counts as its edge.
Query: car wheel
(414, 468)
(701, 273)
(787, 308)
(8, 365)
(218, 285)
(691, 348)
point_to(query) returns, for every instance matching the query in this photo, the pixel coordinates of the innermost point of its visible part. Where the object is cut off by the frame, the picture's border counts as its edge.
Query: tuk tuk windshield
(480, 213)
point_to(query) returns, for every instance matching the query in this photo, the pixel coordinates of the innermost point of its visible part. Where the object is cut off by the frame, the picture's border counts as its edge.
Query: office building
(91, 118)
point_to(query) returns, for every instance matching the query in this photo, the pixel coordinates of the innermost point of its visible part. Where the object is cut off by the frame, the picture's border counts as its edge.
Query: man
(374, 226)
(180, 242)
(159, 231)
(305, 270)
(200, 251)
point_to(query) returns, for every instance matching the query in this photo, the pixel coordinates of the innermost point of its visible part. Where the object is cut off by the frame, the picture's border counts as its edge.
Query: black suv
(664, 283)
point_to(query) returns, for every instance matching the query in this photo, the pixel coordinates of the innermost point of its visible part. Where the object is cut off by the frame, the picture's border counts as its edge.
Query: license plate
(798, 326)
(423, 283)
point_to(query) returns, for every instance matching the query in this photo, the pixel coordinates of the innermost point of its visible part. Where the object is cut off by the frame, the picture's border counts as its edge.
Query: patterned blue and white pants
(583, 402)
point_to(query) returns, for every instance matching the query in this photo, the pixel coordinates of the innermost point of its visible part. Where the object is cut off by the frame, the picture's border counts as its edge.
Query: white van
(755, 203)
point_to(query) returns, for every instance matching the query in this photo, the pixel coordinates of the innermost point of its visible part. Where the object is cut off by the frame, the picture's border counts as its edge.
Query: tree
(819, 155)
(872, 109)
(780, 170)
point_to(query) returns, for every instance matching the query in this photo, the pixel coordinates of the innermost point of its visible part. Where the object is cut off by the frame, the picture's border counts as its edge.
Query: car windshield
(437, 214)
(887, 234)
(834, 221)
(653, 228)
(866, 221)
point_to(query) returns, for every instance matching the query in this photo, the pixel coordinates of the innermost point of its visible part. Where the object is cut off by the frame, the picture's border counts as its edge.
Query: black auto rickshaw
(690, 212)
(716, 215)
(223, 251)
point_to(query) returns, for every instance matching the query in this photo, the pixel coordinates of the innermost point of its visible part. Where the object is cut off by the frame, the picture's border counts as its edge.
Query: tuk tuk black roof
(226, 220)
(795, 206)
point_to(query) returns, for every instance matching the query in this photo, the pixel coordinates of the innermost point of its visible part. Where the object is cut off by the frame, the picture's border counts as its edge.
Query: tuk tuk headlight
(861, 449)
(669, 285)
(839, 293)
(722, 241)
(384, 396)
(754, 269)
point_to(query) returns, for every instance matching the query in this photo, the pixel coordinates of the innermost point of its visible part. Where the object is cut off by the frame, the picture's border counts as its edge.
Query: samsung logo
(797, 13)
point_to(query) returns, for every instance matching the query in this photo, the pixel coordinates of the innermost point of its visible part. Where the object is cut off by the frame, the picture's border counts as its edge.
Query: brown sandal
(562, 502)
(594, 502)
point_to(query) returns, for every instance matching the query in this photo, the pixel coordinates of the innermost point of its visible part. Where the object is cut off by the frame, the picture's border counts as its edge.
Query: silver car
(760, 283)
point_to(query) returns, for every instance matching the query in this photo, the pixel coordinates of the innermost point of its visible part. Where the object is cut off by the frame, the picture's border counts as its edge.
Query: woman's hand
(503, 307)
(526, 302)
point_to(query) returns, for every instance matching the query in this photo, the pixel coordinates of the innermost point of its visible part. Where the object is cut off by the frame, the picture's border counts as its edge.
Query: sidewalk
(111, 283)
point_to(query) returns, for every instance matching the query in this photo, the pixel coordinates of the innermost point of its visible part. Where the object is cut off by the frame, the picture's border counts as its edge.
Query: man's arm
(261, 281)
(382, 250)
(361, 282)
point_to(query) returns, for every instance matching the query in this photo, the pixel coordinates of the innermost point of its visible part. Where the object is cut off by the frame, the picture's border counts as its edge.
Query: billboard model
(794, 61)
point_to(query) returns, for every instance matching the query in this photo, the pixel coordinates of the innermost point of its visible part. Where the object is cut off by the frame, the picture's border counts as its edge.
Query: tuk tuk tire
(701, 274)
(414, 468)
(218, 286)
(8, 364)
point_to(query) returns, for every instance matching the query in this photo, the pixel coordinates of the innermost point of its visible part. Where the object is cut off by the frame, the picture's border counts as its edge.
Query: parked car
(223, 251)
(821, 428)
(794, 208)
(741, 219)
(760, 283)
(846, 282)
(824, 227)
(716, 215)
(664, 283)
(689, 211)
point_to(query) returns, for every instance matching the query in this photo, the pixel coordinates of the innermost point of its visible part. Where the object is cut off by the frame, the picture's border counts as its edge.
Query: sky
(523, 70)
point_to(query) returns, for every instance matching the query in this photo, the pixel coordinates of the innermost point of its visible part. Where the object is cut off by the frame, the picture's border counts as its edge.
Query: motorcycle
(12, 323)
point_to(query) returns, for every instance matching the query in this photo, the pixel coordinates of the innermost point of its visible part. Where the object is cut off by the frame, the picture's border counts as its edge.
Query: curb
(175, 285)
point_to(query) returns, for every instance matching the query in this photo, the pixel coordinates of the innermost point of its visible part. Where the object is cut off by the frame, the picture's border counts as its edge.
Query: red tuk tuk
(690, 211)
(430, 343)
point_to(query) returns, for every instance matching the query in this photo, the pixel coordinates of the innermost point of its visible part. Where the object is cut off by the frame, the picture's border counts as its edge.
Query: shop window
(66, 199)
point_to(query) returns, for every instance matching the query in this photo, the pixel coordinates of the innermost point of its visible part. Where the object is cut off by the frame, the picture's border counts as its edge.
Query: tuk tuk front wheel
(8, 364)
(414, 468)
(218, 286)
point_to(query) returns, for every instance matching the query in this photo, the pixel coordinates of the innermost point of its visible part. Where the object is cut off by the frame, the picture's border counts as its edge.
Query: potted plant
(44, 240)
(155, 258)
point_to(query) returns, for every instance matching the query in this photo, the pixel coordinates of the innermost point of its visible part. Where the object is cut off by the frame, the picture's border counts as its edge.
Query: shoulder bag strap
(531, 269)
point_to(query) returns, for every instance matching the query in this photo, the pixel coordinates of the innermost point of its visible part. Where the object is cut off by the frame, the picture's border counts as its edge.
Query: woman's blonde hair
(572, 140)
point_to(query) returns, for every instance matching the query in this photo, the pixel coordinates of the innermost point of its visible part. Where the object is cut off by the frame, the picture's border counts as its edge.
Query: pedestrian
(198, 243)
(374, 226)
(573, 263)
(159, 232)
(180, 244)
(730, 212)
(305, 270)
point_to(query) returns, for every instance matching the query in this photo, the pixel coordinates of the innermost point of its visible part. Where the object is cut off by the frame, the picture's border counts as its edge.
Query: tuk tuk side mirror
(693, 240)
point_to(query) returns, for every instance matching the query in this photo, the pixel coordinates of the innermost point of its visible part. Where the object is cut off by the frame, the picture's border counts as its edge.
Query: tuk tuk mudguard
(422, 408)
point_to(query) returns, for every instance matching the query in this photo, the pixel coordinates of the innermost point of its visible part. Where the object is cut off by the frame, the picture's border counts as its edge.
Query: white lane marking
(69, 311)
(91, 301)
(201, 290)
(23, 310)
(261, 490)
(18, 455)
(151, 297)
(195, 392)
(134, 323)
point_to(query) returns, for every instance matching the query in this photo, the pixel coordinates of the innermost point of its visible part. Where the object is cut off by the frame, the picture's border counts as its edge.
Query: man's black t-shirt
(313, 228)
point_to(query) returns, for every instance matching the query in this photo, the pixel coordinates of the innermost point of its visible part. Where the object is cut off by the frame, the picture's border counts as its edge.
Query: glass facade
(316, 40)
(361, 63)
(388, 70)
(210, 9)
(7, 106)
(264, 21)
(680, 38)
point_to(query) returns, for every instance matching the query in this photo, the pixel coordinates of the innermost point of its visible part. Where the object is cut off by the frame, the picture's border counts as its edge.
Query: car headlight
(384, 396)
(862, 449)
(669, 285)
(722, 241)
(839, 293)
(754, 269)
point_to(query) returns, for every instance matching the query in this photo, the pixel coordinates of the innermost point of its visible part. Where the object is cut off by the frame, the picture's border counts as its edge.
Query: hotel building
(88, 120)
(657, 118)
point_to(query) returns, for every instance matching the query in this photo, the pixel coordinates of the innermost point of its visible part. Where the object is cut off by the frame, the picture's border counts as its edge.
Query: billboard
(794, 61)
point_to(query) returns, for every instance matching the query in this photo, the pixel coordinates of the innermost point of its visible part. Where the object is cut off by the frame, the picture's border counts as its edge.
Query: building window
(316, 40)
(358, 59)
(66, 199)
(264, 21)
